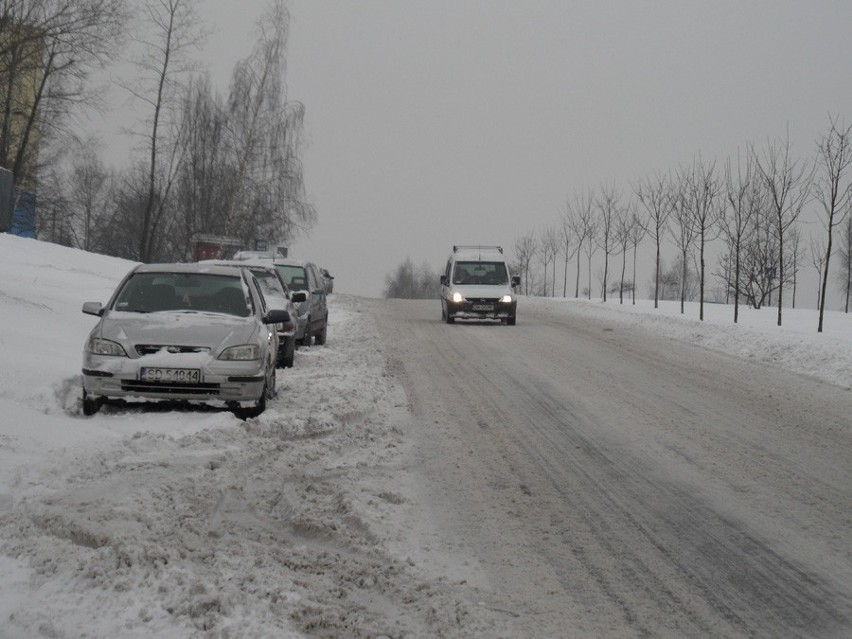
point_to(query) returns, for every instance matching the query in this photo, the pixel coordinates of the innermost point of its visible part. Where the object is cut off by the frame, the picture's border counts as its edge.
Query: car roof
(287, 261)
(251, 264)
(185, 267)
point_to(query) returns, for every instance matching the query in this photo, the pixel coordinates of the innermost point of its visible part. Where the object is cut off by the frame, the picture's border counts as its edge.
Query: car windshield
(295, 276)
(203, 292)
(269, 283)
(480, 273)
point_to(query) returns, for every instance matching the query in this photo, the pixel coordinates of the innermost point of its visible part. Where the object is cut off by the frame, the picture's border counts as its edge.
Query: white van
(477, 285)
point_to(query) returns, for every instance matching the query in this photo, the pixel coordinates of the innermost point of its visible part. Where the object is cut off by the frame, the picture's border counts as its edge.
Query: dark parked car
(313, 312)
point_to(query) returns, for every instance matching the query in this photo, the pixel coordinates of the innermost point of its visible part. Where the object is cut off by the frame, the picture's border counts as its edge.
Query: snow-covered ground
(795, 345)
(176, 523)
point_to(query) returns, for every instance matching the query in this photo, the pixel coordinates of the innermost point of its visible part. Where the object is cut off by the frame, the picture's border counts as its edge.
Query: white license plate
(483, 307)
(183, 375)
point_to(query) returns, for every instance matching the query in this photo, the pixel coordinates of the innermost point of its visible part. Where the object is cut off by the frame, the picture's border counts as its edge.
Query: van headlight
(458, 297)
(506, 299)
(241, 353)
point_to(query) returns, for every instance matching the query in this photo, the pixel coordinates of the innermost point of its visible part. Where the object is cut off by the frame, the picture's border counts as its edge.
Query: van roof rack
(458, 247)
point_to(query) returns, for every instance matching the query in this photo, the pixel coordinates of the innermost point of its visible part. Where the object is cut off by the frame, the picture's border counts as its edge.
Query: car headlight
(99, 346)
(506, 299)
(458, 297)
(242, 353)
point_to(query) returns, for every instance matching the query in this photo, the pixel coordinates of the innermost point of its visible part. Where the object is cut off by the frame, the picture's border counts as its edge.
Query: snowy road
(589, 480)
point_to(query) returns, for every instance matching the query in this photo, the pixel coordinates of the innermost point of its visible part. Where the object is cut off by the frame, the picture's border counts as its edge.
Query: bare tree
(818, 260)
(844, 252)
(567, 250)
(88, 192)
(608, 208)
(637, 234)
(677, 281)
(173, 32)
(758, 274)
(525, 248)
(549, 245)
(794, 241)
(567, 247)
(408, 282)
(701, 190)
(580, 219)
(654, 196)
(48, 50)
(743, 195)
(833, 190)
(787, 184)
(206, 175)
(622, 233)
(268, 197)
(683, 232)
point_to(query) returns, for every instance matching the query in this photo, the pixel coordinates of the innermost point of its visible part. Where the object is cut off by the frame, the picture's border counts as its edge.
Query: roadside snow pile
(795, 345)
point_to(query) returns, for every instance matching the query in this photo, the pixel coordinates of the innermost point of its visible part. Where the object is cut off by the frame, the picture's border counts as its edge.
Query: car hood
(203, 330)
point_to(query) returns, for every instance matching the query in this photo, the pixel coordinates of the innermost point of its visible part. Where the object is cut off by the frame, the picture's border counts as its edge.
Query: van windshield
(480, 273)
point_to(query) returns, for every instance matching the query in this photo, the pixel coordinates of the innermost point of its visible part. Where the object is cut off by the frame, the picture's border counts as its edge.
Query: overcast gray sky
(458, 121)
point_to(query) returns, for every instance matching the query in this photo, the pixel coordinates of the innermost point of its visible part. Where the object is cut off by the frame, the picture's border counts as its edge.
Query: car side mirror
(297, 297)
(444, 281)
(277, 317)
(93, 308)
(516, 280)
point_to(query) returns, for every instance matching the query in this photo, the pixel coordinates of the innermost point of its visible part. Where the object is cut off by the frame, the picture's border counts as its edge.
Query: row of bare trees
(753, 205)
(410, 282)
(199, 163)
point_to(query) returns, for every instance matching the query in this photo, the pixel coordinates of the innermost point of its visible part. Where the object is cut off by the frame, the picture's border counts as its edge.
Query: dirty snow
(193, 523)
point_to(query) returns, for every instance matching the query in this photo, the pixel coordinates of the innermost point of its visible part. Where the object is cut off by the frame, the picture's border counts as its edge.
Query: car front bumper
(481, 309)
(224, 381)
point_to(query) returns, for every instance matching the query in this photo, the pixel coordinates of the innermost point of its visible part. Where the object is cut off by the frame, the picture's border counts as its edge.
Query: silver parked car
(190, 332)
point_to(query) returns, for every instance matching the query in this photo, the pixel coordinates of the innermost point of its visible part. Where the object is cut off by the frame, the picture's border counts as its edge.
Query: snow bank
(795, 345)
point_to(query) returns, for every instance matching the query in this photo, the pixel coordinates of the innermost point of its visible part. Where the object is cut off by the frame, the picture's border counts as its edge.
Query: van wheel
(511, 320)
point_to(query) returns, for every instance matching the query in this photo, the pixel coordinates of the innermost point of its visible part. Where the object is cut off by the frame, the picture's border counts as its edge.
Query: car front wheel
(306, 337)
(288, 353)
(90, 405)
(247, 412)
(319, 338)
